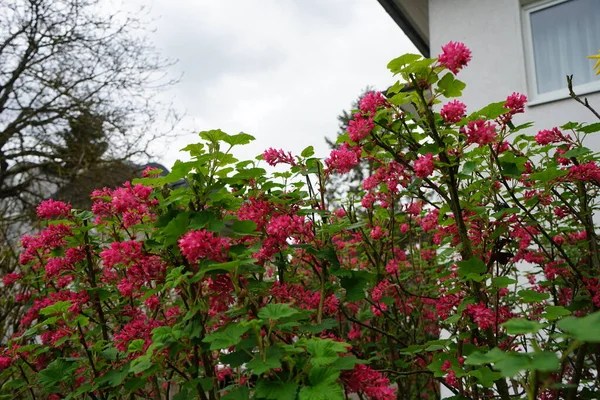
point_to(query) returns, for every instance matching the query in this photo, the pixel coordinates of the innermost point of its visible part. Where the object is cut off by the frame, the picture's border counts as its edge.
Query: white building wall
(492, 29)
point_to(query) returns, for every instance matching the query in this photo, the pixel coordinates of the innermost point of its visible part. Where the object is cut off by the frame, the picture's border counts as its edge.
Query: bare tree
(59, 60)
(77, 104)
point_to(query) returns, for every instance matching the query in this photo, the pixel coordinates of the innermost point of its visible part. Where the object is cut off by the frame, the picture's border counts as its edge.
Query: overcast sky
(281, 70)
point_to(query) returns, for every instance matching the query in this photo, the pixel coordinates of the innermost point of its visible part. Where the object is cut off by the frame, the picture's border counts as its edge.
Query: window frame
(535, 97)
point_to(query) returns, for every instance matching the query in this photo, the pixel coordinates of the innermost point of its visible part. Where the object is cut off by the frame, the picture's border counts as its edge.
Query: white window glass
(563, 36)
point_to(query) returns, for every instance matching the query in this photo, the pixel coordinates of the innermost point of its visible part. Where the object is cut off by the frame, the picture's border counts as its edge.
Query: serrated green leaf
(59, 307)
(398, 64)
(226, 338)
(276, 390)
(239, 393)
(325, 351)
(239, 139)
(585, 328)
(532, 296)
(276, 311)
(450, 86)
(520, 326)
(552, 313)
(471, 266)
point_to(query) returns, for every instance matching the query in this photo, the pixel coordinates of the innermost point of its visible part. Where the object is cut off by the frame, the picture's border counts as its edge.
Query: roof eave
(398, 16)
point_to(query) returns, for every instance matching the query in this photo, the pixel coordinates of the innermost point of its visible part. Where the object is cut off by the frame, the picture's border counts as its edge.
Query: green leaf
(486, 376)
(175, 228)
(398, 64)
(324, 385)
(114, 377)
(259, 366)
(243, 227)
(276, 390)
(491, 111)
(548, 174)
(544, 361)
(239, 393)
(492, 356)
(520, 326)
(59, 307)
(239, 139)
(552, 313)
(512, 364)
(355, 287)
(236, 358)
(308, 152)
(347, 362)
(469, 167)
(276, 311)
(472, 266)
(136, 345)
(576, 152)
(531, 296)
(503, 281)
(451, 87)
(141, 364)
(226, 338)
(325, 351)
(214, 136)
(56, 372)
(591, 128)
(585, 328)
(318, 328)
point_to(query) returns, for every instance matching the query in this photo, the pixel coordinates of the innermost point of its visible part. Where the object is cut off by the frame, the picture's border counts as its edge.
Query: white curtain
(564, 35)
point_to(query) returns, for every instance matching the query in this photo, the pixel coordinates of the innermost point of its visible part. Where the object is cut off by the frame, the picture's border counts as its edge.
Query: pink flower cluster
(481, 315)
(371, 101)
(138, 268)
(585, 172)
(78, 302)
(548, 136)
(343, 159)
(303, 298)
(360, 127)
(257, 210)
(480, 132)
(138, 328)
(52, 208)
(453, 111)
(49, 239)
(455, 56)
(11, 279)
(199, 244)
(516, 103)
(424, 166)
(365, 380)
(274, 157)
(131, 202)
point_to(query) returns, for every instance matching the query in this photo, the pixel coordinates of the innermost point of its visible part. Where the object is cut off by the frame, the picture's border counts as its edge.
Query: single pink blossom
(455, 56)
(453, 111)
(343, 159)
(516, 103)
(480, 132)
(274, 157)
(424, 166)
(547, 136)
(371, 101)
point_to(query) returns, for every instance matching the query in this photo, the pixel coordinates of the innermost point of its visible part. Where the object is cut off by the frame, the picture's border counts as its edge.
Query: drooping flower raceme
(480, 132)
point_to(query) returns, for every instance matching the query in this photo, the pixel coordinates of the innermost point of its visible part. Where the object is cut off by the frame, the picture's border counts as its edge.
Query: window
(559, 36)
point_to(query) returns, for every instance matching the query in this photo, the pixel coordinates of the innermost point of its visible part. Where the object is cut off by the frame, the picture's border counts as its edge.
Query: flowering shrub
(471, 263)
